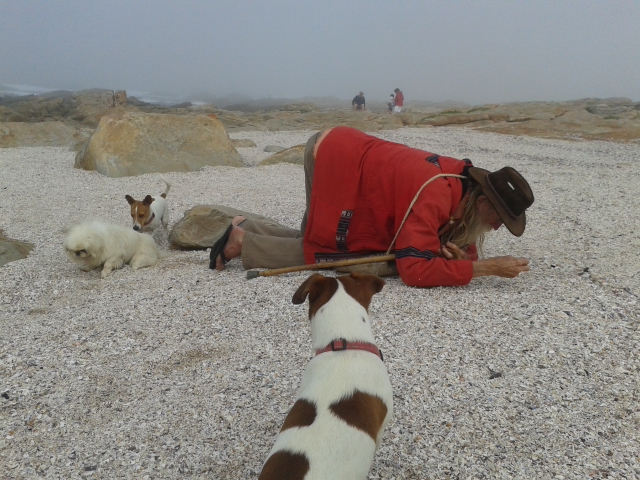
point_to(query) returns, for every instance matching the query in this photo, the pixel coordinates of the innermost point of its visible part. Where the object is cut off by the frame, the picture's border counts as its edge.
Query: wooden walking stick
(320, 266)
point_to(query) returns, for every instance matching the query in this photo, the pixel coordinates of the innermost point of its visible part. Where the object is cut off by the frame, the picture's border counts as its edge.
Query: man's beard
(474, 233)
(477, 230)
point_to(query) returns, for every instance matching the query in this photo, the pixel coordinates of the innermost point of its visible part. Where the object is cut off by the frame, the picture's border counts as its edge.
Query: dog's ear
(148, 200)
(362, 287)
(312, 287)
(129, 199)
(372, 283)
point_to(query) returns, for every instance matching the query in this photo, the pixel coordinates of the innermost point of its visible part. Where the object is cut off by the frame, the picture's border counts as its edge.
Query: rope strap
(415, 199)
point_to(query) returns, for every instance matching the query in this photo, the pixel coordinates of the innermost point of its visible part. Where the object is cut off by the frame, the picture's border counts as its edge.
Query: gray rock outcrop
(12, 250)
(42, 134)
(40, 109)
(243, 143)
(273, 149)
(133, 143)
(203, 225)
(90, 104)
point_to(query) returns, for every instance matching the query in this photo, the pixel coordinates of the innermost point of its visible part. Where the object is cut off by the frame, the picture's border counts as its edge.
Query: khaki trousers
(265, 246)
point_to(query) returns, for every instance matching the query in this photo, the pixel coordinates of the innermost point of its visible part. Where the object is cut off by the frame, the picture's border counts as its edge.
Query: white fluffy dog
(93, 244)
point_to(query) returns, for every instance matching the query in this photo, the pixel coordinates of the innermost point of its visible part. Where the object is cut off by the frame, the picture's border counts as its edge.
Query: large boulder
(203, 225)
(290, 155)
(12, 250)
(42, 134)
(134, 143)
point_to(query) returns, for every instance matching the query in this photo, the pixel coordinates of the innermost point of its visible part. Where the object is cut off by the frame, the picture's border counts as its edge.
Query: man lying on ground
(359, 189)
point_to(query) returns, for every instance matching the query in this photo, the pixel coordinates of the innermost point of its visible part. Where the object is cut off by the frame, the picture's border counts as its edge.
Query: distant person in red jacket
(359, 189)
(399, 101)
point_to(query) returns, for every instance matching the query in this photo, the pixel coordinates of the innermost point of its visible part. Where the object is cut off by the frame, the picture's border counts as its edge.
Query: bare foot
(233, 247)
(238, 220)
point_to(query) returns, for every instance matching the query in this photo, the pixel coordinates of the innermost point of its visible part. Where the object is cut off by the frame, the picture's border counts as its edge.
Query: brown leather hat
(508, 192)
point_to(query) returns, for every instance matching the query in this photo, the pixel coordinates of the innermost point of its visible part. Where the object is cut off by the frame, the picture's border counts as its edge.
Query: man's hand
(451, 252)
(508, 267)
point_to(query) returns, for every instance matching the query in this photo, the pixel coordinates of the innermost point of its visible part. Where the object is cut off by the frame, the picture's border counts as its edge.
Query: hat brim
(515, 225)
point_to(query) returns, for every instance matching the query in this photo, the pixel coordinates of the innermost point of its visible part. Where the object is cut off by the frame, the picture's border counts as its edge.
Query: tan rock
(290, 155)
(133, 143)
(518, 118)
(458, 119)
(91, 105)
(39, 109)
(498, 116)
(203, 225)
(8, 115)
(299, 107)
(91, 102)
(120, 98)
(576, 117)
(42, 134)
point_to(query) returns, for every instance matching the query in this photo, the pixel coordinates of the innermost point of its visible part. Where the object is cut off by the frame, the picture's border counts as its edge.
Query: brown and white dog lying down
(345, 400)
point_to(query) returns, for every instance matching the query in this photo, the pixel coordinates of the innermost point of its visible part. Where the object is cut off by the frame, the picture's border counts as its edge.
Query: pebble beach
(178, 371)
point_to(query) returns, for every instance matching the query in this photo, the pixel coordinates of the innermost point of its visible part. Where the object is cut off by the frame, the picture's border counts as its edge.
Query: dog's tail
(166, 190)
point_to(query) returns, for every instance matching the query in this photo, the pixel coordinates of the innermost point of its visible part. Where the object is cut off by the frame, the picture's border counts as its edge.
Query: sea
(150, 97)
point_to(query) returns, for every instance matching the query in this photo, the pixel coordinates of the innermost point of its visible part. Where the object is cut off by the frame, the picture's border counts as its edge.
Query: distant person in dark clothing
(358, 102)
(399, 101)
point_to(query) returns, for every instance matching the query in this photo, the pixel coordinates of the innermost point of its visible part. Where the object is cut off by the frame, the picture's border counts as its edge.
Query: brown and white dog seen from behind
(150, 213)
(345, 401)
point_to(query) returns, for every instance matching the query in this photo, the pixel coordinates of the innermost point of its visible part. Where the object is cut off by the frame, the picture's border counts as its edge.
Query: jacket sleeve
(472, 252)
(418, 243)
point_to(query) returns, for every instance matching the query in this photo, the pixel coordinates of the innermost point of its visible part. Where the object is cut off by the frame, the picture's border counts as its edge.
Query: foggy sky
(471, 51)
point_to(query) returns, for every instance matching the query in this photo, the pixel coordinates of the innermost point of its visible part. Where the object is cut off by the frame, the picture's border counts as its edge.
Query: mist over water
(473, 52)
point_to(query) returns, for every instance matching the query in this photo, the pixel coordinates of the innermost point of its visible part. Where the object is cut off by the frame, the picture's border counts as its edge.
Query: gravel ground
(178, 371)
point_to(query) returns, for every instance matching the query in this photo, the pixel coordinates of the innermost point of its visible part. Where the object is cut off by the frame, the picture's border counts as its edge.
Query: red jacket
(399, 99)
(362, 187)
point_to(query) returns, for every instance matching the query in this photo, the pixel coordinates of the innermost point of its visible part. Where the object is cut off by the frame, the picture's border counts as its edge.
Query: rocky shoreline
(68, 118)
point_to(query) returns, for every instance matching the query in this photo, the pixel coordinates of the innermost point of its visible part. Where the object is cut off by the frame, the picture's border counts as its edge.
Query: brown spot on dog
(302, 414)
(362, 287)
(362, 411)
(319, 289)
(285, 466)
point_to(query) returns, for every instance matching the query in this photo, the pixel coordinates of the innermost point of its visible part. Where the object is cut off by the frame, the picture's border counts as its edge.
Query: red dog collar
(153, 215)
(342, 344)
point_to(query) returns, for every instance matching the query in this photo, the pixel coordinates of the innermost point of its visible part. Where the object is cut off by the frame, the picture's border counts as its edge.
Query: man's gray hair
(469, 229)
